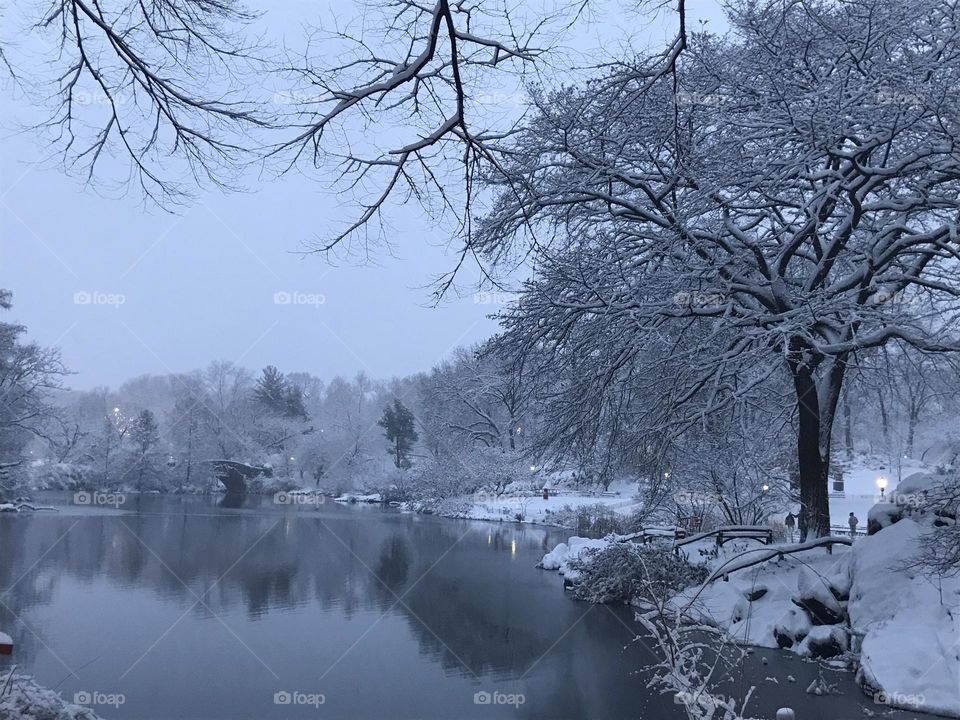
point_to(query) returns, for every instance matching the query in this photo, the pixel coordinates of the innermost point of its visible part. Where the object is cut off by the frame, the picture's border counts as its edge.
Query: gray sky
(125, 290)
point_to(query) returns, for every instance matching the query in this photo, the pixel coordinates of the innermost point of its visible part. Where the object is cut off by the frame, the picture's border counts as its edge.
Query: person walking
(790, 522)
(853, 525)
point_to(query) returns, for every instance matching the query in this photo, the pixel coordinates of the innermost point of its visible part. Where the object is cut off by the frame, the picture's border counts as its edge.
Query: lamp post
(882, 484)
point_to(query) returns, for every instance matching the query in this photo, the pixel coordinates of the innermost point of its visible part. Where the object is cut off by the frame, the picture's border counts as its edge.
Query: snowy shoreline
(862, 607)
(22, 697)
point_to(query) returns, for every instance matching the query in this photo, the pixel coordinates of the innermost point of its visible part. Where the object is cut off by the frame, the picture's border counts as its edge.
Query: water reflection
(228, 602)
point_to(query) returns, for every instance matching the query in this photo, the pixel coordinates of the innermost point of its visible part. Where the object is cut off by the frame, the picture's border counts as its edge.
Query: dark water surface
(192, 610)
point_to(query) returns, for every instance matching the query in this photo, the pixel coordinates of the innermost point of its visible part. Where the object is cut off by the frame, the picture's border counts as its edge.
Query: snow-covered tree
(28, 375)
(791, 191)
(399, 428)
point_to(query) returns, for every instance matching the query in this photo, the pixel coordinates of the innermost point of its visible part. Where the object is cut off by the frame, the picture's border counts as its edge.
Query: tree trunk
(814, 467)
(884, 419)
(817, 399)
(912, 425)
(847, 427)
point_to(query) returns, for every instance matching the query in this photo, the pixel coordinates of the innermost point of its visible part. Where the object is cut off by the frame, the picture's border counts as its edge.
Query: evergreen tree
(145, 434)
(271, 390)
(278, 395)
(398, 427)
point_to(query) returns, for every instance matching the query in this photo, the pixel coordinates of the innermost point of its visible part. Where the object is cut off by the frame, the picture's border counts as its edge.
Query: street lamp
(882, 484)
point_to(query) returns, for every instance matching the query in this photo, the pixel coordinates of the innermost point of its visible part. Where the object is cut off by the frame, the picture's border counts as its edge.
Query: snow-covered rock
(553, 559)
(824, 642)
(817, 598)
(881, 515)
(911, 638)
(792, 628)
(560, 557)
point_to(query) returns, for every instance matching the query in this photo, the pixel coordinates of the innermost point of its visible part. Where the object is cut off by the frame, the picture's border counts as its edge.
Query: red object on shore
(546, 494)
(6, 644)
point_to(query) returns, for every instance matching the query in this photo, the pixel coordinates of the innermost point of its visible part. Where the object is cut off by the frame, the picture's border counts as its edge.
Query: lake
(191, 608)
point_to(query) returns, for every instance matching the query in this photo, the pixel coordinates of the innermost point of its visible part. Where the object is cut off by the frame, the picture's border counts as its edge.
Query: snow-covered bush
(21, 697)
(940, 547)
(486, 470)
(624, 571)
(55, 476)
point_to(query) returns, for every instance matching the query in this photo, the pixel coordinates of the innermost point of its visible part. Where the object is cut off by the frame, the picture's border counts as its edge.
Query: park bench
(747, 532)
(729, 532)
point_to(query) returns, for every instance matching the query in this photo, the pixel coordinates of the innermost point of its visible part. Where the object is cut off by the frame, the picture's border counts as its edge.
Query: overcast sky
(125, 290)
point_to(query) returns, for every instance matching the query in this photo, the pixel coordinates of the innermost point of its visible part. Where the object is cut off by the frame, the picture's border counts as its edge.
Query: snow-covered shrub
(56, 476)
(940, 547)
(624, 571)
(486, 470)
(23, 698)
(268, 485)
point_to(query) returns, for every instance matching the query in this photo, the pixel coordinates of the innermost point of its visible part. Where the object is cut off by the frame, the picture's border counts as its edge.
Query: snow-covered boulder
(883, 515)
(817, 598)
(824, 642)
(553, 559)
(792, 628)
(560, 557)
(911, 637)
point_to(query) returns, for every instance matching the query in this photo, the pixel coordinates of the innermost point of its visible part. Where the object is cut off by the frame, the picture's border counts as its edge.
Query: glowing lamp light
(116, 410)
(766, 487)
(533, 468)
(882, 484)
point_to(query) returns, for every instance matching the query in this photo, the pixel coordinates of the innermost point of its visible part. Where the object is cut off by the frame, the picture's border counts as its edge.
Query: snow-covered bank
(909, 623)
(869, 606)
(559, 509)
(22, 699)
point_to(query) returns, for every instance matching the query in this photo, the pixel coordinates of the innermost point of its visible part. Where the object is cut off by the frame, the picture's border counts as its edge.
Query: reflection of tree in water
(467, 610)
(281, 560)
(394, 564)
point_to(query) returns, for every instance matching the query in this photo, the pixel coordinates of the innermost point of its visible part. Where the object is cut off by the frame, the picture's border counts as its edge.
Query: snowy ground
(860, 485)
(534, 509)
(868, 603)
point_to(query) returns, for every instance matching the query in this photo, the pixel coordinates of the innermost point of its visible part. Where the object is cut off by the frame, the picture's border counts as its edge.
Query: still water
(188, 609)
